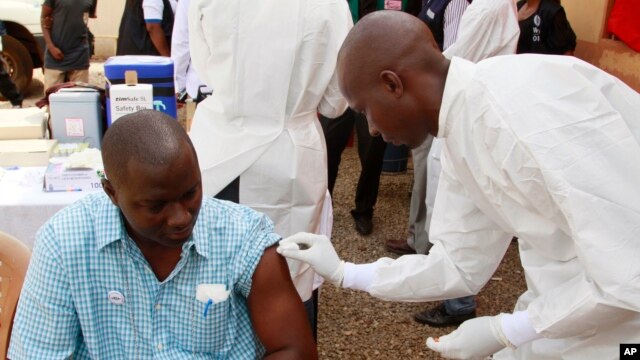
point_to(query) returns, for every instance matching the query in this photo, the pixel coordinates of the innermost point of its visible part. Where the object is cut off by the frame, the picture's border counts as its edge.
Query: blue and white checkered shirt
(83, 255)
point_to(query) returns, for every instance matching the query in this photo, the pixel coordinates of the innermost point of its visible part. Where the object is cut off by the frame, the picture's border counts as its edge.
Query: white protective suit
(272, 65)
(488, 28)
(546, 148)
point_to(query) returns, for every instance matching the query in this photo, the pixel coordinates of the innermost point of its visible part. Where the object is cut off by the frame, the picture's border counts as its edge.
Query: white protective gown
(186, 76)
(546, 148)
(488, 28)
(272, 65)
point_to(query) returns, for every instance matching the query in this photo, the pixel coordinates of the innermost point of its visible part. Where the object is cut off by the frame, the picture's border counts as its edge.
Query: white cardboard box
(28, 123)
(26, 152)
(59, 178)
(127, 99)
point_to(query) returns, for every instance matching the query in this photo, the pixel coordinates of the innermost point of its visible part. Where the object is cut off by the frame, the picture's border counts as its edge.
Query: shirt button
(158, 306)
(160, 346)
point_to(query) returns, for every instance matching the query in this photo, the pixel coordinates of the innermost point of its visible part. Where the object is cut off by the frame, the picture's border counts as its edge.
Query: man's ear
(110, 190)
(392, 83)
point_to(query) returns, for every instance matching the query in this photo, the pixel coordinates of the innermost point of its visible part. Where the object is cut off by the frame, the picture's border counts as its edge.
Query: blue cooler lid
(156, 67)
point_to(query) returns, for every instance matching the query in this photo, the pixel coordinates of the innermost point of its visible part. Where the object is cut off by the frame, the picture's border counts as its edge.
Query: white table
(25, 207)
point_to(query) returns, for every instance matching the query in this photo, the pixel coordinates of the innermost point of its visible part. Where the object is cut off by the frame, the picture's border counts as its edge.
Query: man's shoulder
(237, 233)
(76, 221)
(83, 207)
(234, 222)
(228, 210)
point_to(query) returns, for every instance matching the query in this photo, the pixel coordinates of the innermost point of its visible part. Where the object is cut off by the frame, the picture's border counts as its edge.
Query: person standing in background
(271, 64)
(187, 80)
(544, 28)
(370, 149)
(7, 87)
(146, 27)
(64, 26)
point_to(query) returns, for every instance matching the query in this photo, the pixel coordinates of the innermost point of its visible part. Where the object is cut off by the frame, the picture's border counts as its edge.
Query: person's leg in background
(417, 240)
(231, 192)
(311, 307)
(336, 135)
(450, 312)
(78, 75)
(371, 150)
(8, 88)
(52, 77)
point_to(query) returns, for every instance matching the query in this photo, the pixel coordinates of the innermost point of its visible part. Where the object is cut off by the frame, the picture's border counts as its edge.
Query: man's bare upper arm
(277, 313)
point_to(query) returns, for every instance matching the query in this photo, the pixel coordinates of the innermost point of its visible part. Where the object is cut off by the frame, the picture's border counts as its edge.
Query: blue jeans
(460, 306)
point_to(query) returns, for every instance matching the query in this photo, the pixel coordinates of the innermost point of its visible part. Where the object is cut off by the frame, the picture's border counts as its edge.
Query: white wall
(105, 27)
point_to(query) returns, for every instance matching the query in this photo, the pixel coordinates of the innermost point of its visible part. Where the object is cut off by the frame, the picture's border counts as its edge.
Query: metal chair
(14, 260)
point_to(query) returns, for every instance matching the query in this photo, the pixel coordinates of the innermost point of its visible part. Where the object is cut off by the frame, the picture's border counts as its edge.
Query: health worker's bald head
(385, 40)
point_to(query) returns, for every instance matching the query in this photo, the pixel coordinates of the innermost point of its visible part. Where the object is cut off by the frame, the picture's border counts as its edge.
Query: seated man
(125, 274)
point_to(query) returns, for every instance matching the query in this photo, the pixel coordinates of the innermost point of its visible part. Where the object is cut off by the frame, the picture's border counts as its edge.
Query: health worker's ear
(392, 83)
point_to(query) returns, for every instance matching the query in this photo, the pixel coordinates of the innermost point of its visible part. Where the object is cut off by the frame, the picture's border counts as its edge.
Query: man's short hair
(150, 137)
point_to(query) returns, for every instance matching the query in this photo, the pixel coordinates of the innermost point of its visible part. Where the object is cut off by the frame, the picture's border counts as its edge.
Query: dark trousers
(8, 88)
(370, 151)
(231, 192)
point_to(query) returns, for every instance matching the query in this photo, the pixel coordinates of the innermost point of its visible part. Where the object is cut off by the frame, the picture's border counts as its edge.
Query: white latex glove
(317, 251)
(474, 339)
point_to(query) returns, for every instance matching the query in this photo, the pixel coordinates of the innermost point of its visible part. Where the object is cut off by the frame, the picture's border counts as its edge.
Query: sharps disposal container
(154, 70)
(76, 116)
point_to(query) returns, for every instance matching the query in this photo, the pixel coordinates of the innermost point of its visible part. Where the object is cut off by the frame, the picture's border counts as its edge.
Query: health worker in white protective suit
(546, 148)
(273, 67)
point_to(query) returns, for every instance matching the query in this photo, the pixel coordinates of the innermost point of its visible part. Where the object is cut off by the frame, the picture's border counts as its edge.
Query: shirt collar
(109, 224)
(460, 73)
(199, 239)
(202, 236)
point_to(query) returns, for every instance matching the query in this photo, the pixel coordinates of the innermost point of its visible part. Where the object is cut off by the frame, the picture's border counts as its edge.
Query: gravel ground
(354, 325)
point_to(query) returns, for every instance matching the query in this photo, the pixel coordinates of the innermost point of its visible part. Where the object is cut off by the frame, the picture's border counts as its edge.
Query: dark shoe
(438, 317)
(364, 225)
(399, 247)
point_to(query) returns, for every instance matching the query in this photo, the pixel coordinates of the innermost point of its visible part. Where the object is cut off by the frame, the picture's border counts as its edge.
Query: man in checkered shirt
(130, 273)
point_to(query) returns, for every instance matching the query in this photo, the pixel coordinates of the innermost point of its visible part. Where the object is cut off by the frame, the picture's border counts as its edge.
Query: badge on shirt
(116, 297)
